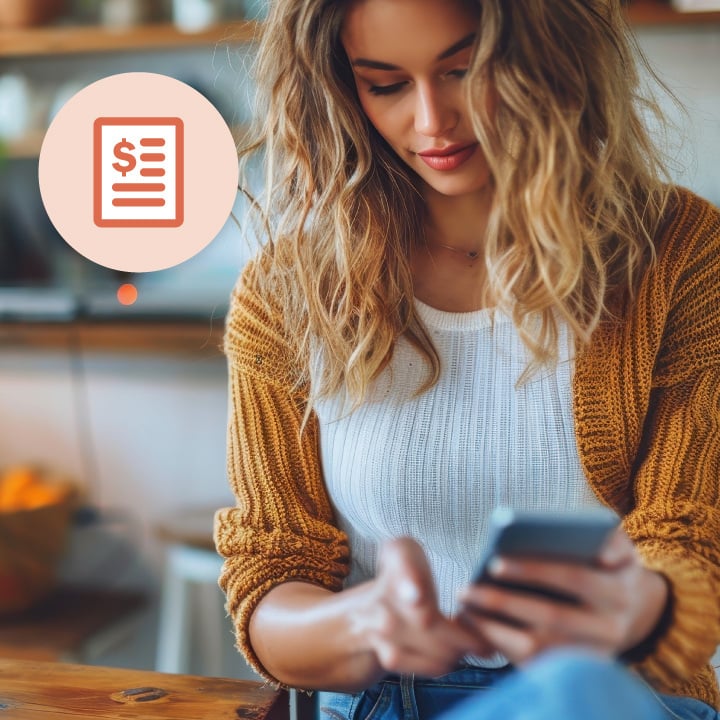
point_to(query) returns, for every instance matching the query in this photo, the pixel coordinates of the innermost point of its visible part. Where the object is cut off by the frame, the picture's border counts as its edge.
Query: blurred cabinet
(62, 40)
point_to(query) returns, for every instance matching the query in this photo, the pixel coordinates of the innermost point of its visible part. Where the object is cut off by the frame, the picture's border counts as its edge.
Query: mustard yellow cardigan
(646, 399)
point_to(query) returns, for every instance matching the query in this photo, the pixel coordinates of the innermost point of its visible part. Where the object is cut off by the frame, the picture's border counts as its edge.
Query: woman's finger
(435, 651)
(405, 571)
(517, 644)
(619, 551)
(521, 644)
(590, 586)
(556, 623)
(407, 660)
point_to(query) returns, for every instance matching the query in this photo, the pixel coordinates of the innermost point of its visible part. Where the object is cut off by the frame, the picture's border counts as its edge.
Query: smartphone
(576, 536)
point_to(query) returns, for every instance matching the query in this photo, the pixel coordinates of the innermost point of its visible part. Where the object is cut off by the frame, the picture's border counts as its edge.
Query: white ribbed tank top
(433, 467)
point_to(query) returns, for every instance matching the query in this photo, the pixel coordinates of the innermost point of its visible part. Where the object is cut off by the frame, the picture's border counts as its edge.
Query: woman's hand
(620, 603)
(401, 621)
(307, 636)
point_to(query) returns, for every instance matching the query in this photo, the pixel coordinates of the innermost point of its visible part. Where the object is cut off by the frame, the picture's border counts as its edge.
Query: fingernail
(409, 592)
(497, 566)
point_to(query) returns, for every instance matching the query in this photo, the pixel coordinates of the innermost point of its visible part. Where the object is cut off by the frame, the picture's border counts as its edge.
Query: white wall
(688, 61)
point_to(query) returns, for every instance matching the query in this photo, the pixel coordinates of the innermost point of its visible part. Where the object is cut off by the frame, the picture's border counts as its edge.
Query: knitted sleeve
(676, 517)
(676, 525)
(282, 526)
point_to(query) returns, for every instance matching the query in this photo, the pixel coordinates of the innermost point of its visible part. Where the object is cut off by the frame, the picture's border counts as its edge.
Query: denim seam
(659, 699)
(407, 691)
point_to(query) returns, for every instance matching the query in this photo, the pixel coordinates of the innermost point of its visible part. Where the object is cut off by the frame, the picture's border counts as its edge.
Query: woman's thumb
(403, 562)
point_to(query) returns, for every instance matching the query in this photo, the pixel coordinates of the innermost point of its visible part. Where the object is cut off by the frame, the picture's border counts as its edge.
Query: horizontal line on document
(138, 187)
(152, 172)
(138, 202)
(152, 142)
(152, 157)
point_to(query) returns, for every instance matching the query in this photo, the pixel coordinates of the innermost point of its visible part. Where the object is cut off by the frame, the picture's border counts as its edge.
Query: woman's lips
(448, 159)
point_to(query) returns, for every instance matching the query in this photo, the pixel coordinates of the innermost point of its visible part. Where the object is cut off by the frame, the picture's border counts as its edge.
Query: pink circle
(105, 198)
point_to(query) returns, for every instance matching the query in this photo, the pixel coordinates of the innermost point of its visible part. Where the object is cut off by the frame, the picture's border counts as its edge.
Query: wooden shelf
(62, 40)
(193, 339)
(644, 13)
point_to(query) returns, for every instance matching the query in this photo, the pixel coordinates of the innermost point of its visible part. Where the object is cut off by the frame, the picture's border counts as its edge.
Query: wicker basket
(25, 13)
(32, 542)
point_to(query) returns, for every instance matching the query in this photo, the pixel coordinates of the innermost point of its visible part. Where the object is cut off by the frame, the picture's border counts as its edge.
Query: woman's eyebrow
(467, 41)
(444, 55)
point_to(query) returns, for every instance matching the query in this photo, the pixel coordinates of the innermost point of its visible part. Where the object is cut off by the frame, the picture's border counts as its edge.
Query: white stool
(192, 563)
(192, 569)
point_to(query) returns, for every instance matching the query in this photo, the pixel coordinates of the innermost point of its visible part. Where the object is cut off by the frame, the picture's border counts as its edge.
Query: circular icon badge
(138, 172)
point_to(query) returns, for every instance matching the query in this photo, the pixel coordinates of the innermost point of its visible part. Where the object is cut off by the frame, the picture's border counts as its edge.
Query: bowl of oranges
(36, 509)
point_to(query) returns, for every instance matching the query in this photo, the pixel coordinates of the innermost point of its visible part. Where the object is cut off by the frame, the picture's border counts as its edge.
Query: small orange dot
(127, 294)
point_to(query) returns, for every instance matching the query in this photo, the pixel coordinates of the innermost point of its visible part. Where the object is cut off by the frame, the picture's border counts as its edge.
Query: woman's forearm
(305, 636)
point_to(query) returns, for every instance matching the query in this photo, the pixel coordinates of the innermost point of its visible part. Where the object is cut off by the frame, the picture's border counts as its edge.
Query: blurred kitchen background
(129, 401)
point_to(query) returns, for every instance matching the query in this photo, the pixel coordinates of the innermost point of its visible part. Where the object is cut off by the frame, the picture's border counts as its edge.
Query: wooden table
(59, 691)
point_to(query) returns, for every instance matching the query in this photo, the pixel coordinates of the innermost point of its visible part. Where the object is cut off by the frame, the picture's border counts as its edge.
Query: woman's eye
(385, 89)
(459, 72)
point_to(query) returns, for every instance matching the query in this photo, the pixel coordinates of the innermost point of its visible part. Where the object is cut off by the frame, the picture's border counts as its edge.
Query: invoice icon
(138, 175)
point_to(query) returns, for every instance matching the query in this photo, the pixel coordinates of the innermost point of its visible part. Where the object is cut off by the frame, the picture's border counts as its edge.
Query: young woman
(476, 290)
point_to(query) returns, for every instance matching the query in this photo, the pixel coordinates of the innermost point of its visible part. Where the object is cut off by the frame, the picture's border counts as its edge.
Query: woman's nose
(434, 113)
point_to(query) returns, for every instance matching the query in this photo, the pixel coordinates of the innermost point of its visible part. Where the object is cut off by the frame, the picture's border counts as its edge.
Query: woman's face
(409, 58)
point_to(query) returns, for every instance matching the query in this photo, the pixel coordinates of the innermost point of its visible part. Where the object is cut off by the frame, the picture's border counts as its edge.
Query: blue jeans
(562, 685)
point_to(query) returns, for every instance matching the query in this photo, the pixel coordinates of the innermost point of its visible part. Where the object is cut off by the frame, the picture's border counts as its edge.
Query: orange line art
(138, 187)
(176, 203)
(138, 202)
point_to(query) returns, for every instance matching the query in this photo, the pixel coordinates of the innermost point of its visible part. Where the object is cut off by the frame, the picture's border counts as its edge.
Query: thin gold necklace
(469, 254)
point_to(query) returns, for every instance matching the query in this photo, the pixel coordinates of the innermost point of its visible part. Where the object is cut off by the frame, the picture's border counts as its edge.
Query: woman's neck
(449, 269)
(457, 223)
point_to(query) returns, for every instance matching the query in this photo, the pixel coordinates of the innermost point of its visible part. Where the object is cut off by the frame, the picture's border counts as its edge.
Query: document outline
(179, 218)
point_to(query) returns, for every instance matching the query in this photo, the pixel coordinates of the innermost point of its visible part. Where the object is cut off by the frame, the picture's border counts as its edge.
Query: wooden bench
(31, 690)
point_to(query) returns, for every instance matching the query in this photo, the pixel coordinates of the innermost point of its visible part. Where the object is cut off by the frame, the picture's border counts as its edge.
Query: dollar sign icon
(122, 152)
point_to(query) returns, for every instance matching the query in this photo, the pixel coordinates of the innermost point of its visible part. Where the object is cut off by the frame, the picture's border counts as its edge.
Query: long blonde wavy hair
(579, 187)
